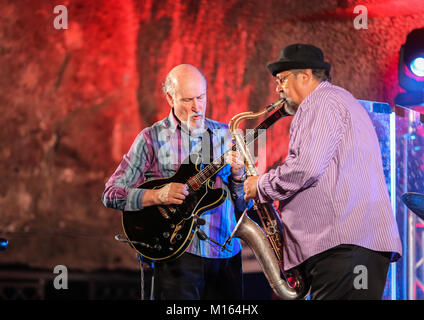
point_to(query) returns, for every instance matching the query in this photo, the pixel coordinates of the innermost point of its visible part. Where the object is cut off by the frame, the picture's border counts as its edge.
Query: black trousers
(191, 277)
(347, 272)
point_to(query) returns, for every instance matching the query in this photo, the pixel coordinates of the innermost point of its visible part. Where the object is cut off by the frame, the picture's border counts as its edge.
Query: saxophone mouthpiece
(275, 105)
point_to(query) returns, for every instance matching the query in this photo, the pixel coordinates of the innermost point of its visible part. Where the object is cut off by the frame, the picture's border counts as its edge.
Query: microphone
(124, 239)
(203, 236)
(200, 221)
(121, 238)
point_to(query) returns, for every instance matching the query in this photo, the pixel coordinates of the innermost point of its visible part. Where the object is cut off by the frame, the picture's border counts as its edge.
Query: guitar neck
(211, 169)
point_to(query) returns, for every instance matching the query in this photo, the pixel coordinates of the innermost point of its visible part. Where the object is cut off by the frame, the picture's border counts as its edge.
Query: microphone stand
(152, 285)
(140, 258)
(203, 236)
(200, 233)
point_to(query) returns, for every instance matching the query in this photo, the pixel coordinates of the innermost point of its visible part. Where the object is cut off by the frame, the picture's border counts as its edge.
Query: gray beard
(195, 131)
(289, 102)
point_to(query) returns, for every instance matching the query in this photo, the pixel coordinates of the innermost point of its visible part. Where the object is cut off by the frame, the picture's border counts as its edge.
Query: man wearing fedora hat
(338, 222)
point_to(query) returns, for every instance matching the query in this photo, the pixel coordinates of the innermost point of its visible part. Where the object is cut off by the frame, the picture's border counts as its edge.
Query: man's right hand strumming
(171, 193)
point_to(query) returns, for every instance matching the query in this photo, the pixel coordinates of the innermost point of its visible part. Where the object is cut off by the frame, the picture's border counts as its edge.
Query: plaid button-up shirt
(157, 152)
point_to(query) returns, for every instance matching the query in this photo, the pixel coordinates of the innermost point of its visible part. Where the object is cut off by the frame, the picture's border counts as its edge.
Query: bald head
(179, 74)
(185, 90)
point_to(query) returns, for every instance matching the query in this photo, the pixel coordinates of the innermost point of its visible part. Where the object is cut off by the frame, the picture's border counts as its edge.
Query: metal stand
(152, 285)
(123, 238)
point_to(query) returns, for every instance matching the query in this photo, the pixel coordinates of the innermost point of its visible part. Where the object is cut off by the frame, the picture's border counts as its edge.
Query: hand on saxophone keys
(250, 188)
(235, 160)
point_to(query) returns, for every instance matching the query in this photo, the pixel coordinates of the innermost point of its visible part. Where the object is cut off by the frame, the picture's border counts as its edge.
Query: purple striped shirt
(331, 187)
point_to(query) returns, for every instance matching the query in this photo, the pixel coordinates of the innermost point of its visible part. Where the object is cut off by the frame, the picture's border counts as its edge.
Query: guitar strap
(207, 148)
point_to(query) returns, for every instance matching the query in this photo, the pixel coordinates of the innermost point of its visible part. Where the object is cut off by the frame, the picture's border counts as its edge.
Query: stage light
(417, 66)
(3, 244)
(411, 69)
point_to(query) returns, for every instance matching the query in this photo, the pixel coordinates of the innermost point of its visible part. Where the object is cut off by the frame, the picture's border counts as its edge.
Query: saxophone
(266, 243)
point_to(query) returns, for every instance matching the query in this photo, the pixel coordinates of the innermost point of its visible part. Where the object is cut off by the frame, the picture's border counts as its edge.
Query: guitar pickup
(165, 211)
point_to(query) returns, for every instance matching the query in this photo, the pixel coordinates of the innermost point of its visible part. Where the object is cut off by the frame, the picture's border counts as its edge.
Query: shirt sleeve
(121, 190)
(314, 139)
(237, 194)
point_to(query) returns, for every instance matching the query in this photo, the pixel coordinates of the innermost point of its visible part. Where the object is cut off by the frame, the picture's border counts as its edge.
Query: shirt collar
(172, 122)
(322, 84)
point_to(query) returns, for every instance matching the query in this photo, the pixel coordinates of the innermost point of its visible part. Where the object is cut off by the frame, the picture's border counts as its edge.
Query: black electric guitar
(162, 233)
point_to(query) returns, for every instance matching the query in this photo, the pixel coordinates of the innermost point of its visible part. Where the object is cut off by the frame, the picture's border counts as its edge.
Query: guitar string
(219, 162)
(211, 170)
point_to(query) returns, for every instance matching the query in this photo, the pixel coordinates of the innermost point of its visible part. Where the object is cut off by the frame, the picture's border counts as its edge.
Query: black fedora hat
(299, 56)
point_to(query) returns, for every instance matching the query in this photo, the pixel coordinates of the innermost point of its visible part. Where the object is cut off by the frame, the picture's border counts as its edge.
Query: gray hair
(319, 74)
(168, 86)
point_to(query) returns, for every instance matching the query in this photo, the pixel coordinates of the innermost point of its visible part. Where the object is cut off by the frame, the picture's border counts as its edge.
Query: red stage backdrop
(72, 100)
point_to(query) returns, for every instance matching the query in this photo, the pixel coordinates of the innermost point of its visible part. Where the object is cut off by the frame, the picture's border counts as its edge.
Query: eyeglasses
(283, 81)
